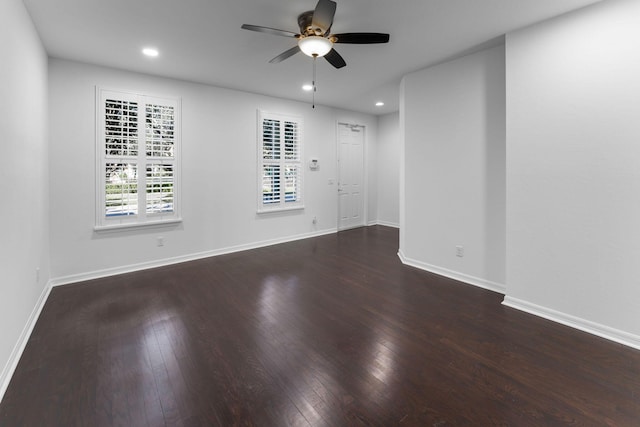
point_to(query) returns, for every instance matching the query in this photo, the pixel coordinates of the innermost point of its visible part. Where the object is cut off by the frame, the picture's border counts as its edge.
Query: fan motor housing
(305, 20)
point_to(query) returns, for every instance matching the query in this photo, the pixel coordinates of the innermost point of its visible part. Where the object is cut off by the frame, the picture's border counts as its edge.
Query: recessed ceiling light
(307, 87)
(379, 104)
(149, 51)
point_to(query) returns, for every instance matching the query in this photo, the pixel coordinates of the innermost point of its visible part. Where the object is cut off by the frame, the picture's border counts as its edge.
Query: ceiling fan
(315, 39)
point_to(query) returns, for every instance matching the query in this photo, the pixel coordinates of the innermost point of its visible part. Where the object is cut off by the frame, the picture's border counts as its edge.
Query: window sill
(149, 224)
(276, 210)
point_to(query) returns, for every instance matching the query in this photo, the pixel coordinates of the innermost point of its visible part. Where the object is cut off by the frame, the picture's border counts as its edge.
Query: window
(279, 162)
(137, 145)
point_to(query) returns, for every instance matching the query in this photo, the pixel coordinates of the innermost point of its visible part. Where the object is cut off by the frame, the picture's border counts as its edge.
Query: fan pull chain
(313, 104)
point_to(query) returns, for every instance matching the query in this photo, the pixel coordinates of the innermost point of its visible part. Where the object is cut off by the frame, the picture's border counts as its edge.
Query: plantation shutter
(279, 162)
(138, 149)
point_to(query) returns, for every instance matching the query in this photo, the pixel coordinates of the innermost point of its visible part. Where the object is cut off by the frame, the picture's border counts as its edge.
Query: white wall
(453, 130)
(371, 172)
(388, 169)
(218, 173)
(23, 179)
(573, 169)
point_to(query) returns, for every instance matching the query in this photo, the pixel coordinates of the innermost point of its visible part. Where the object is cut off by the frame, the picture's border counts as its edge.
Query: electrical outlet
(160, 241)
(460, 251)
(314, 220)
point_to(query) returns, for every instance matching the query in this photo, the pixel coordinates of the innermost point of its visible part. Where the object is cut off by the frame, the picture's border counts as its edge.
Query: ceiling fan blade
(268, 30)
(284, 55)
(361, 38)
(323, 15)
(335, 59)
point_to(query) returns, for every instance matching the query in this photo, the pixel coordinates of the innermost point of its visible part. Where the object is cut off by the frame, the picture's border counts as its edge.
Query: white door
(350, 176)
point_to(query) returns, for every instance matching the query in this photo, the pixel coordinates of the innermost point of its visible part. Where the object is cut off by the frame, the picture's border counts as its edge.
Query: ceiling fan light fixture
(315, 46)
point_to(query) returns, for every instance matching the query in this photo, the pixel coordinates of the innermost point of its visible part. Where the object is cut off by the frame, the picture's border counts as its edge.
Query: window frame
(282, 163)
(141, 217)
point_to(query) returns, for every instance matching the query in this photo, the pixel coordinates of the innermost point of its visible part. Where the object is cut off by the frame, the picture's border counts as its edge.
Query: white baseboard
(386, 224)
(602, 331)
(461, 277)
(59, 281)
(16, 353)
(616, 335)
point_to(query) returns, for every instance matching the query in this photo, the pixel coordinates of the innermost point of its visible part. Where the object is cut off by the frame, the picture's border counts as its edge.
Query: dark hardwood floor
(329, 331)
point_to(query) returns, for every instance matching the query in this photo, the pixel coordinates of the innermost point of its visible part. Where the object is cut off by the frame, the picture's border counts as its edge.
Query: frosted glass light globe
(315, 45)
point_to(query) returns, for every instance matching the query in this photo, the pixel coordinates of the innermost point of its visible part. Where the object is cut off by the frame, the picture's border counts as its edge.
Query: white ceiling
(201, 40)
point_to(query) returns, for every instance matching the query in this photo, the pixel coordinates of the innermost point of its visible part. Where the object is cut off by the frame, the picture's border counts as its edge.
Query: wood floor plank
(329, 331)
